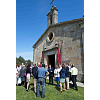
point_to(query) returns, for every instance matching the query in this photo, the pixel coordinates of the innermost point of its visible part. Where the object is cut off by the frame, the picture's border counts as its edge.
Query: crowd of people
(23, 73)
(61, 74)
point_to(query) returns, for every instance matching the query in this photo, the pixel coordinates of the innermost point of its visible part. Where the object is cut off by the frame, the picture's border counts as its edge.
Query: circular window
(50, 37)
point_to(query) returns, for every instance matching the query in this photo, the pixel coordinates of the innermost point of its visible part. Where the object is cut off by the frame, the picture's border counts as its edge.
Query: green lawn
(51, 93)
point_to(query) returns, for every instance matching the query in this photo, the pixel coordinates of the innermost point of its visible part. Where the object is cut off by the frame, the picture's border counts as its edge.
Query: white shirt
(74, 71)
(55, 72)
(69, 68)
(18, 69)
(60, 68)
(16, 72)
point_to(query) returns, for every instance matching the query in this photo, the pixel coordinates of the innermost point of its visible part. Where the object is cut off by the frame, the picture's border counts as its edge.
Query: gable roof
(65, 22)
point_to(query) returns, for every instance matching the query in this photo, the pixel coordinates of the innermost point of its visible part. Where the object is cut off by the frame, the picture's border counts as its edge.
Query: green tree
(28, 61)
(32, 63)
(17, 61)
(21, 60)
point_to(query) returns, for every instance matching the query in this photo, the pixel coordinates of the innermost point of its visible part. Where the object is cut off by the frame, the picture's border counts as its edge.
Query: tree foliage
(21, 60)
(17, 61)
(28, 61)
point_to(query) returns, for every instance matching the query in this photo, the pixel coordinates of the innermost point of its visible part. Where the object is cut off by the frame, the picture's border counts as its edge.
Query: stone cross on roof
(52, 3)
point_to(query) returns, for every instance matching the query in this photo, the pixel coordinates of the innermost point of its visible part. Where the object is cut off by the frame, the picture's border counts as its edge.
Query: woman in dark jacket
(28, 75)
(22, 71)
(62, 78)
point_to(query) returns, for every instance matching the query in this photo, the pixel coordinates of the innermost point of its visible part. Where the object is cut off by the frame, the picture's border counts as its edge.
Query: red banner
(58, 56)
(61, 54)
(42, 57)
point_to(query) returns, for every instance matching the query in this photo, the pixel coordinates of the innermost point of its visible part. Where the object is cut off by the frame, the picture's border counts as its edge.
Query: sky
(19, 31)
(31, 21)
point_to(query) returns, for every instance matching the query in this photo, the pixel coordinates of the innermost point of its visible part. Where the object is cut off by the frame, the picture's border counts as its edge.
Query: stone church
(70, 33)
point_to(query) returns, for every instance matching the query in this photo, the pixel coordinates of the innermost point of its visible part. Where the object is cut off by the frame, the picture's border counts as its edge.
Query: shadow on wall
(82, 78)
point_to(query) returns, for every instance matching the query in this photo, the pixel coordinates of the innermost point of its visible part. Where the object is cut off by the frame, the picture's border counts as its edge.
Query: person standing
(34, 70)
(19, 74)
(62, 78)
(38, 64)
(59, 66)
(22, 72)
(45, 68)
(19, 69)
(57, 75)
(51, 74)
(74, 72)
(25, 77)
(67, 77)
(28, 75)
(32, 74)
(16, 75)
(41, 79)
(69, 72)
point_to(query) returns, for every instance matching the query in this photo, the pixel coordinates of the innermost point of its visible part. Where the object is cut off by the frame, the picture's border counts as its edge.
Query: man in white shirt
(74, 72)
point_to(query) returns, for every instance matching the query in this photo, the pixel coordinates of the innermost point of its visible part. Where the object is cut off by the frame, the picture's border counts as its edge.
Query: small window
(51, 19)
(50, 36)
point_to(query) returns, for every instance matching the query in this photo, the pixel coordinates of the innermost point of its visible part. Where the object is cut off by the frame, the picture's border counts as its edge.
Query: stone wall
(72, 51)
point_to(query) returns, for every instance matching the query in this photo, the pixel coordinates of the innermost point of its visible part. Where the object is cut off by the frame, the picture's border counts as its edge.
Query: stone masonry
(72, 34)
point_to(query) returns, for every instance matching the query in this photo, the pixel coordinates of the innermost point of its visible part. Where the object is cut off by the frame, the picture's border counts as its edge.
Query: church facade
(69, 34)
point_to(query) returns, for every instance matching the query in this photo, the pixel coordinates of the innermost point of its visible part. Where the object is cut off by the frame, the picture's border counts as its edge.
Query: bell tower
(52, 16)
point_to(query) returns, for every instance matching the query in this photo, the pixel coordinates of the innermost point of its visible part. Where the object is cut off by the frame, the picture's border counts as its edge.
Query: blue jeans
(42, 82)
(57, 79)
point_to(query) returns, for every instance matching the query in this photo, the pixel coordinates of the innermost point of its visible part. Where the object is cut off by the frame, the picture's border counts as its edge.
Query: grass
(51, 93)
(80, 81)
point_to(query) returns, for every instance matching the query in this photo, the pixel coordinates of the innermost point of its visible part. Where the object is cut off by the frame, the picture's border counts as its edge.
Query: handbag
(25, 73)
(19, 81)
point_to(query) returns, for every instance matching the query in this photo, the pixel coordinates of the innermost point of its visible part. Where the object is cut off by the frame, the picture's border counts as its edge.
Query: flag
(61, 54)
(58, 56)
(42, 56)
